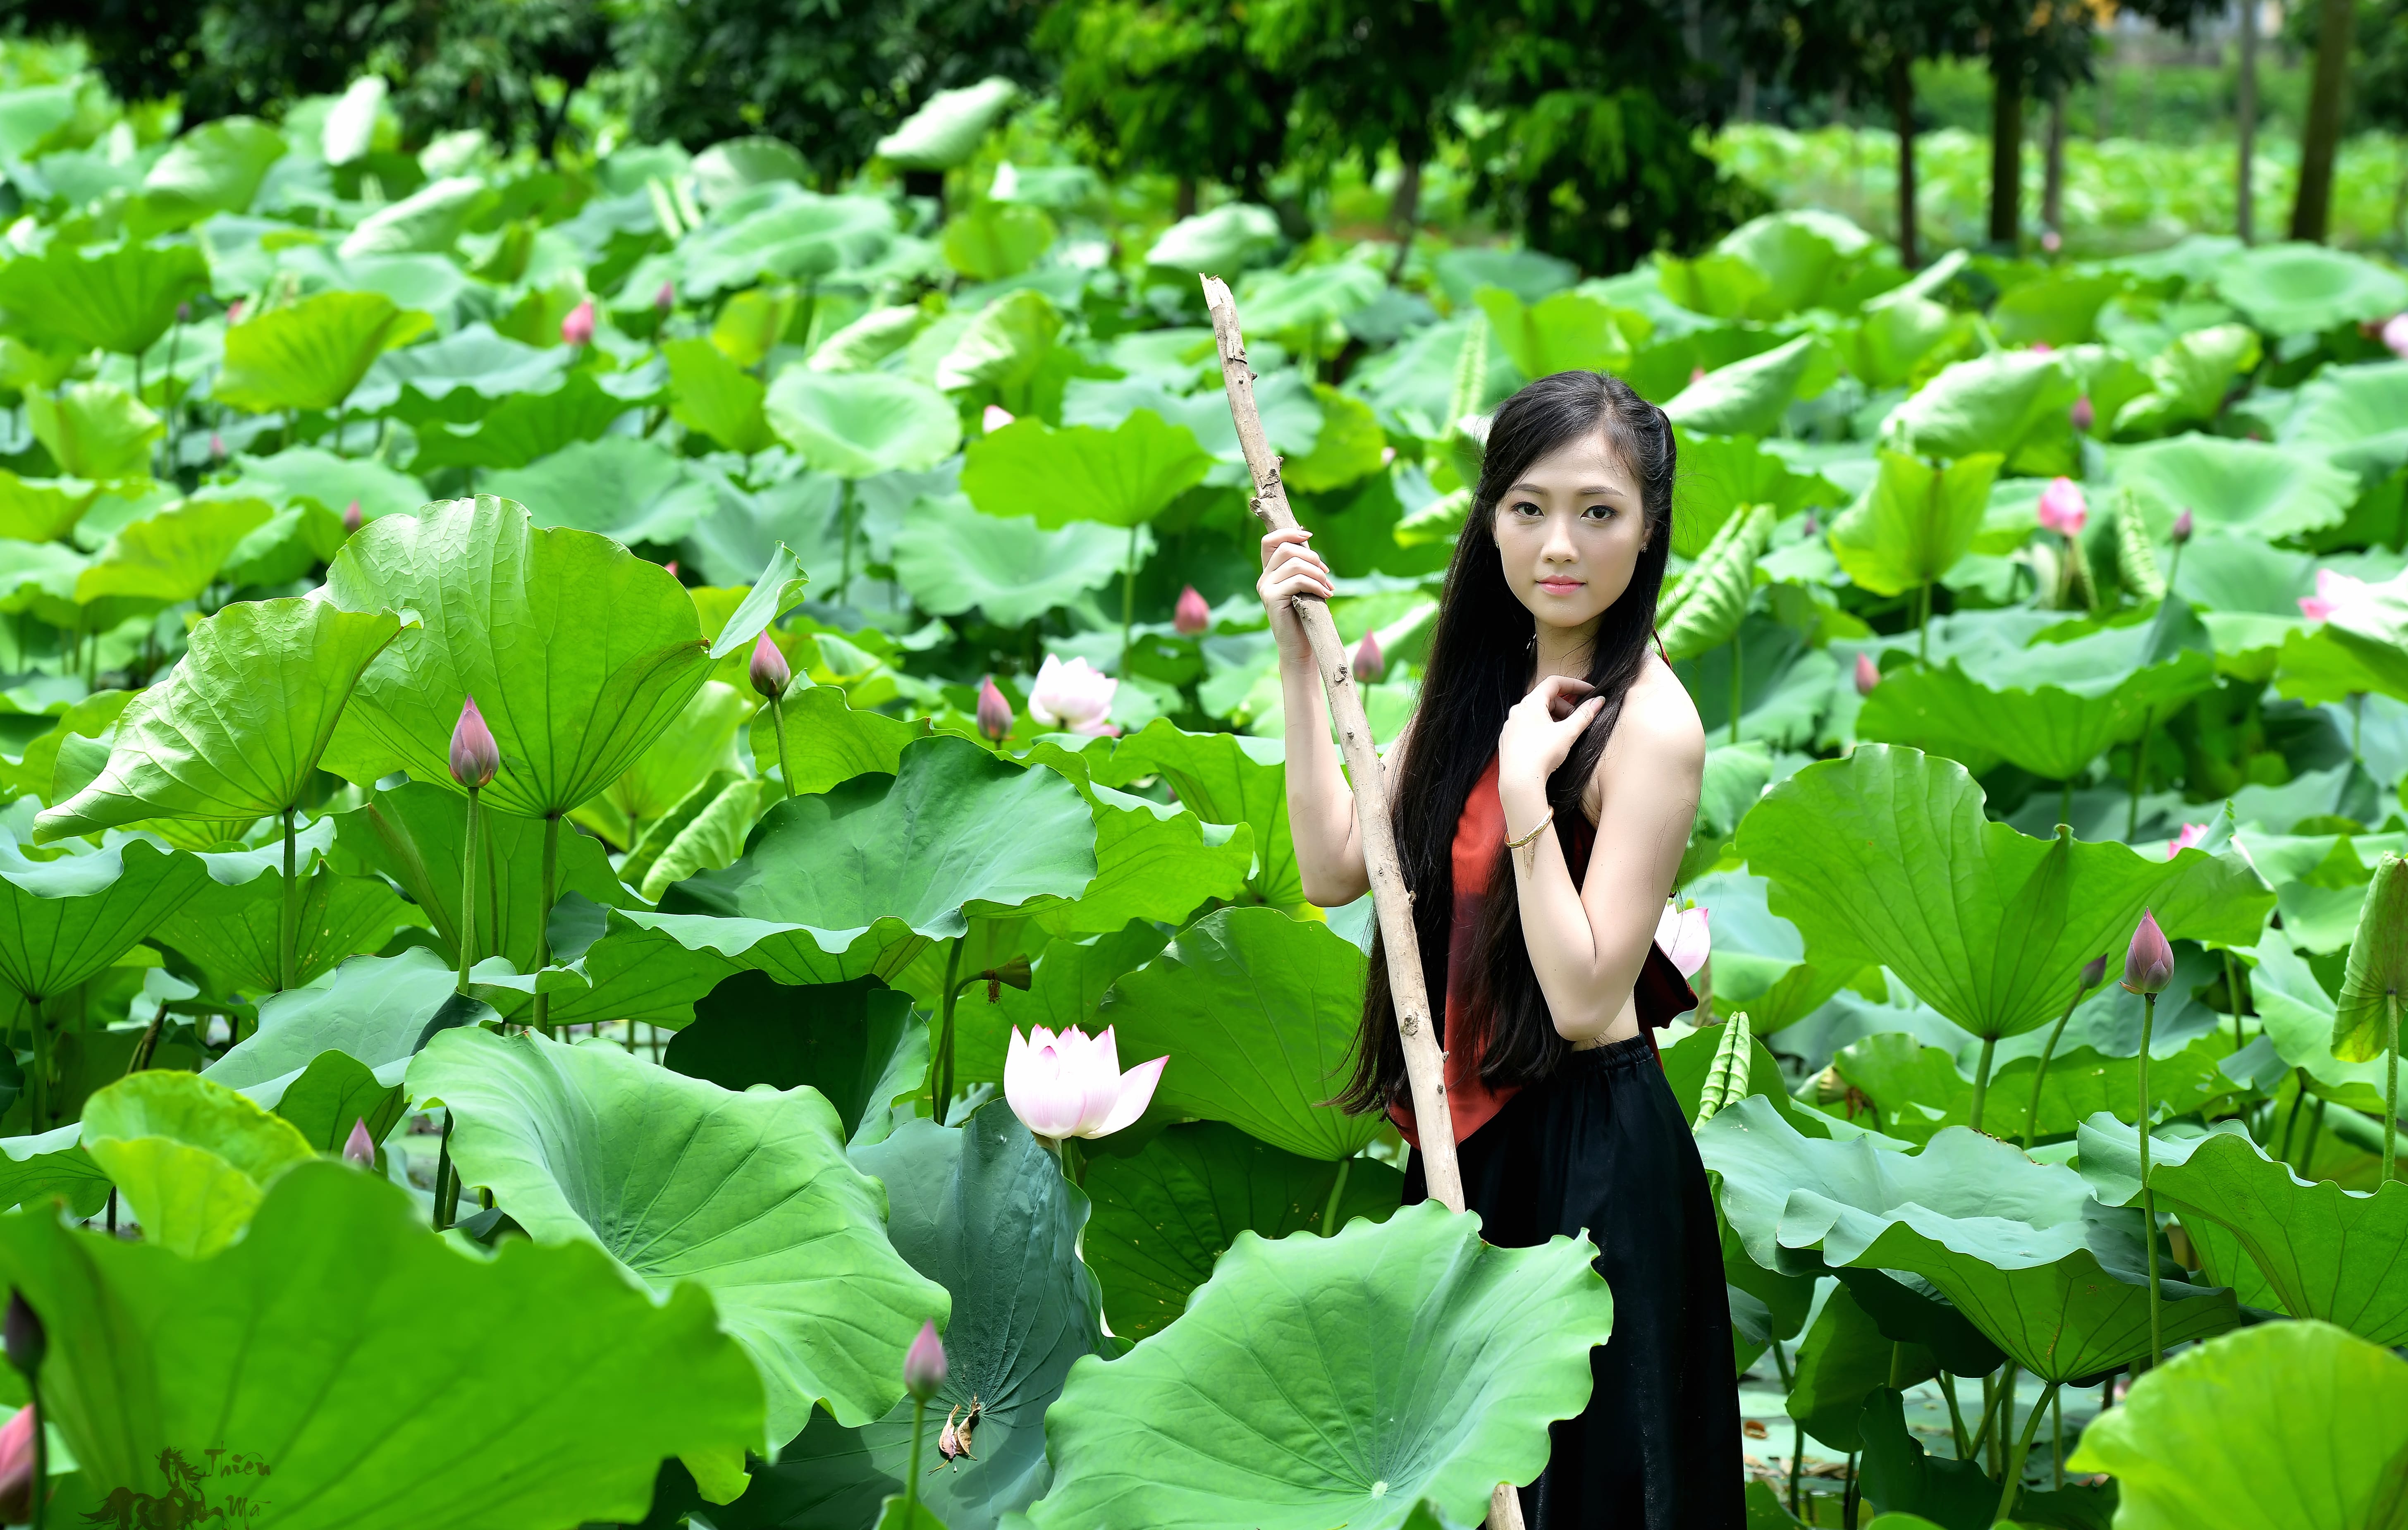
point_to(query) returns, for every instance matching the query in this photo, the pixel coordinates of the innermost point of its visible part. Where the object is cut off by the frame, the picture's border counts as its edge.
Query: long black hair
(1479, 665)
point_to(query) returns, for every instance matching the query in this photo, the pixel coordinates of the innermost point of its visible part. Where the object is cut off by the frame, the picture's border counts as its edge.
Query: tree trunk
(2052, 195)
(2244, 189)
(1405, 216)
(2006, 143)
(1185, 206)
(1746, 109)
(1901, 108)
(2311, 214)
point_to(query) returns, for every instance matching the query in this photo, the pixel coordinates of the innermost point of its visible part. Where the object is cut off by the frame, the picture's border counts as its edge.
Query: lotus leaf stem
(1956, 1416)
(287, 916)
(912, 1479)
(1923, 625)
(2148, 1199)
(442, 1172)
(469, 893)
(940, 1070)
(2292, 1122)
(544, 918)
(778, 727)
(41, 1504)
(2315, 1129)
(1981, 1081)
(2040, 1073)
(2023, 1451)
(1738, 683)
(2391, 1083)
(1128, 598)
(1337, 1193)
(2140, 766)
(2232, 996)
(2056, 1450)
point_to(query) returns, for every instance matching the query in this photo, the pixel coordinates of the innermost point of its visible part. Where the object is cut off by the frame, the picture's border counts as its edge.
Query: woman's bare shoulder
(1659, 728)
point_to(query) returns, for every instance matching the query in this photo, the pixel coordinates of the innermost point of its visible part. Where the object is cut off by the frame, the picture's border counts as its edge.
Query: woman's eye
(1598, 512)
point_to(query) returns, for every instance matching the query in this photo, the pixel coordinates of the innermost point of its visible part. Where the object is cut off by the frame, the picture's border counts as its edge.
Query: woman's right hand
(1291, 568)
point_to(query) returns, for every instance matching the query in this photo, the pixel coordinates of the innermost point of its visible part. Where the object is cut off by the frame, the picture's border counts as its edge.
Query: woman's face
(1569, 530)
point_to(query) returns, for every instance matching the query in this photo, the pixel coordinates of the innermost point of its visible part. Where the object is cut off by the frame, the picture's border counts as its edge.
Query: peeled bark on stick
(1424, 1065)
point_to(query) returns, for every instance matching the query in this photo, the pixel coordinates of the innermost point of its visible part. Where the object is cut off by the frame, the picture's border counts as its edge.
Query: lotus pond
(854, 597)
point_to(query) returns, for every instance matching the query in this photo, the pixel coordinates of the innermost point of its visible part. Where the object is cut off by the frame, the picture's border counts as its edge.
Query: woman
(1542, 795)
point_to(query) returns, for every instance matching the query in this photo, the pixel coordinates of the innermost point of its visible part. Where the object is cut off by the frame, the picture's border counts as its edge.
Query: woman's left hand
(1539, 732)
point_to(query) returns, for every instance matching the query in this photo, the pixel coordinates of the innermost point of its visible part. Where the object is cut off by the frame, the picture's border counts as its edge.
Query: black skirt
(1601, 1148)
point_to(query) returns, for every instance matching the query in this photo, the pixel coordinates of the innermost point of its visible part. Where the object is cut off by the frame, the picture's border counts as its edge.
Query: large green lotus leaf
(953, 559)
(1989, 405)
(2356, 416)
(217, 167)
(2284, 1426)
(43, 509)
(33, 1173)
(1008, 341)
(608, 970)
(551, 1386)
(526, 428)
(2299, 1015)
(1167, 1213)
(311, 354)
(173, 556)
(1707, 606)
(702, 741)
(578, 653)
(234, 934)
(705, 831)
(1918, 1091)
(859, 1044)
(779, 584)
(1913, 524)
(2058, 310)
(95, 430)
(1317, 1381)
(2049, 707)
(1885, 858)
(1749, 397)
(1153, 862)
(235, 731)
(1842, 1360)
(1223, 777)
(1558, 333)
(859, 879)
(2328, 1253)
(828, 742)
(982, 1209)
(746, 1194)
(2362, 647)
(333, 483)
(337, 1093)
(2305, 289)
(621, 487)
(415, 834)
(732, 167)
(428, 221)
(949, 126)
(192, 1158)
(2190, 379)
(2020, 1248)
(1257, 1012)
(1721, 474)
(1122, 476)
(1299, 303)
(788, 235)
(121, 300)
(2269, 491)
(857, 425)
(996, 239)
(712, 394)
(458, 378)
(63, 921)
(1068, 980)
(375, 1008)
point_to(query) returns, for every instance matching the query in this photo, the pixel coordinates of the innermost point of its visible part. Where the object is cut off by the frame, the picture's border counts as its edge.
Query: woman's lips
(1560, 587)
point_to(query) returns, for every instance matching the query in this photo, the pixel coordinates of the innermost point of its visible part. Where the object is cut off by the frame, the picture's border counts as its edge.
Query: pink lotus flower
(665, 298)
(994, 418)
(770, 674)
(1073, 696)
(1681, 934)
(234, 311)
(2149, 963)
(475, 756)
(1369, 662)
(17, 1467)
(994, 711)
(1191, 616)
(1071, 1084)
(2395, 335)
(924, 1366)
(2191, 834)
(353, 518)
(2184, 524)
(2335, 593)
(578, 328)
(2083, 415)
(217, 446)
(1868, 674)
(2050, 242)
(2062, 508)
(360, 1148)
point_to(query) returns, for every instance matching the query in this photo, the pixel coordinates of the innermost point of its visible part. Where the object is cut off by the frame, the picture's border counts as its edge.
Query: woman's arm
(1587, 944)
(1320, 806)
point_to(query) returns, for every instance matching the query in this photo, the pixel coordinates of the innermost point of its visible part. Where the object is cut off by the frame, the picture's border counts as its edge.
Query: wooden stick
(1425, 1065)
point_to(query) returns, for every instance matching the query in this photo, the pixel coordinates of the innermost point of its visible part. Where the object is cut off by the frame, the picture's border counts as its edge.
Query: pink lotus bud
(2395, 335)
(2335, 593)
(1369, 662)
(1811, 526)
(2092, 971)
(1071, 1084)
(475, 756)
(217, 446)
(1680, 934)
(2042, 348)
(360, 1148)
(2191, 834)
(2083, 415)
(994, 711)
(2184, 524)
(1074, 696)
(1868, 674)
(353, 519)
(1387, 456)
(22, 1336)
(2050, 242)
(771, 674)
(2062, 508)
(183, 313)
(665, 298)
(1191, 616)
(2149, 964)
(578, 328)
(234, 311)
(923, 1367)
(994, 418)
(670, 569)
(1696, 374)
(17, 1467)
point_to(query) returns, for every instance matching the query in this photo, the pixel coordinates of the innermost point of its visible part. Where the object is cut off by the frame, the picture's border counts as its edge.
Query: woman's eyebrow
(1585, 492)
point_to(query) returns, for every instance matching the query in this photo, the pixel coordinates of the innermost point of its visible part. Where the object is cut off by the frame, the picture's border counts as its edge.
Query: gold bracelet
(1517, 844)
